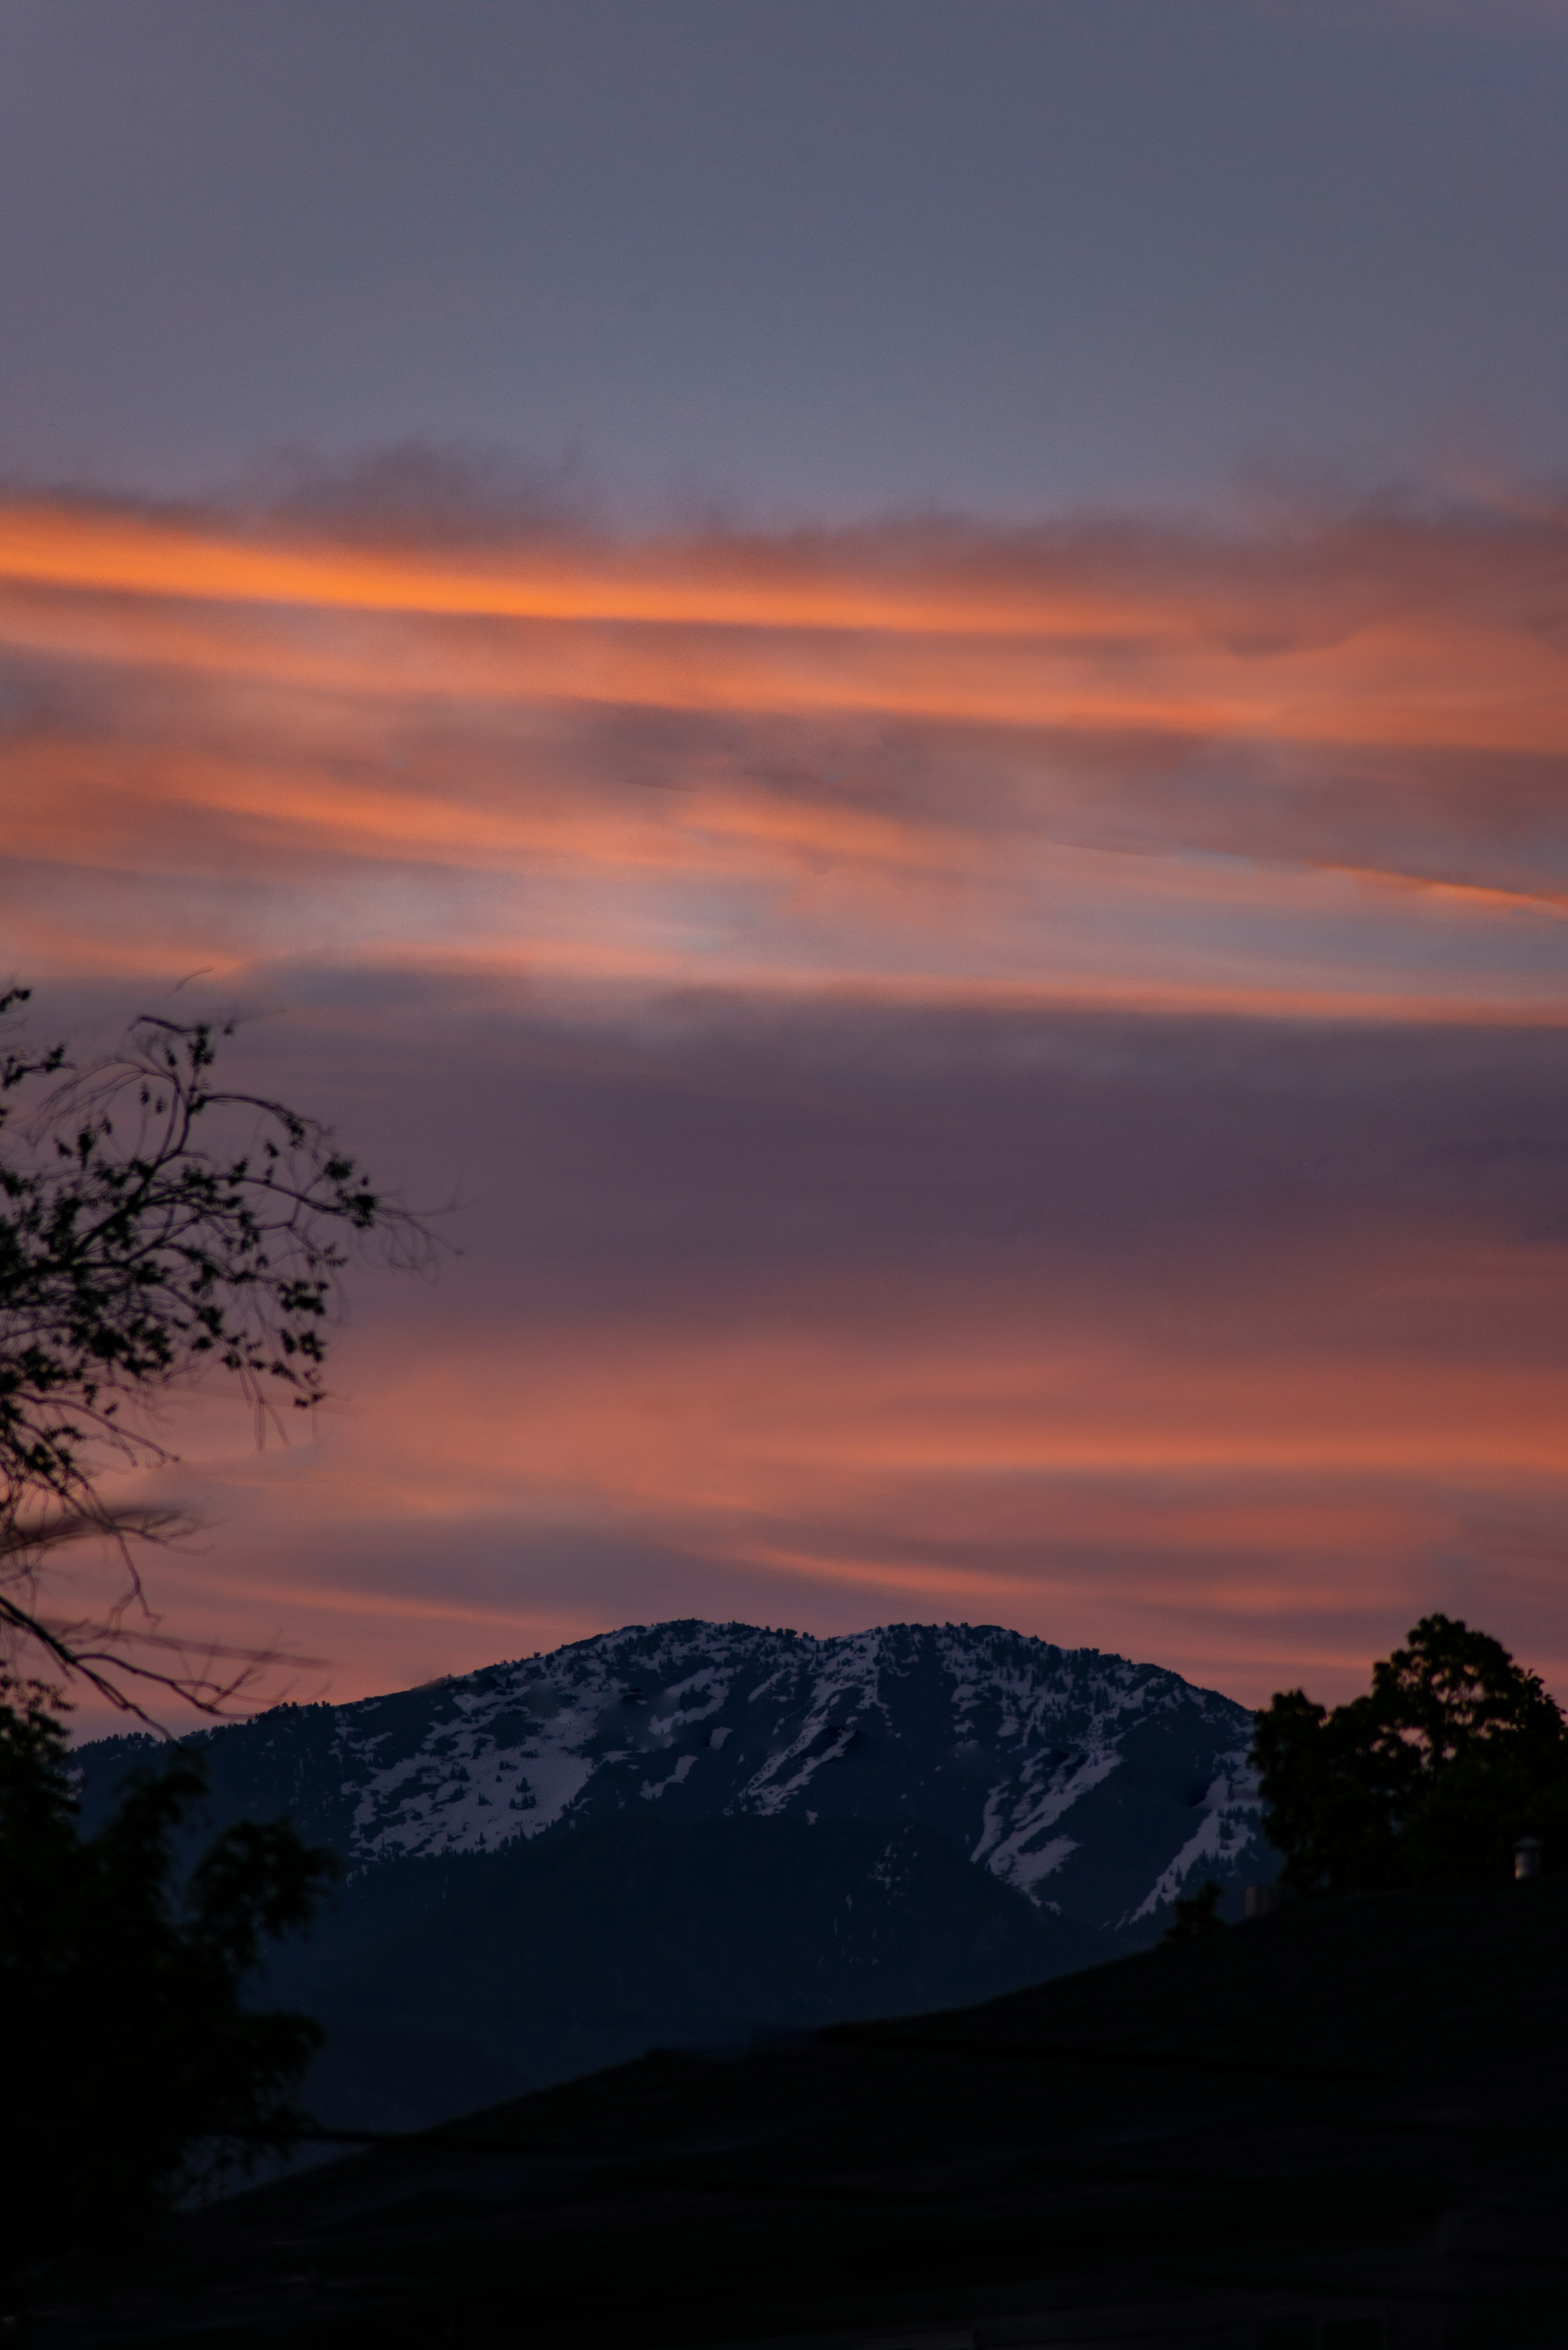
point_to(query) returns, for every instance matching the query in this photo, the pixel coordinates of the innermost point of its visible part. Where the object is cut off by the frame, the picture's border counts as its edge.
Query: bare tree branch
(154, 1228)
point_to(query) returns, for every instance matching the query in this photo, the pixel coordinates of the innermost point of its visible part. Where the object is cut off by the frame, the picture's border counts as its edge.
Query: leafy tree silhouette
(1454, 1754)
(133, 2072)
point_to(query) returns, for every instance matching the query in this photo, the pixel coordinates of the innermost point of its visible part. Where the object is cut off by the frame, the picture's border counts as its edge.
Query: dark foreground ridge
(1342, 2125)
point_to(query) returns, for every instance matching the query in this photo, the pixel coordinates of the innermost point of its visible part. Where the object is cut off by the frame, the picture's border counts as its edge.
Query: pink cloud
(1004, 1074)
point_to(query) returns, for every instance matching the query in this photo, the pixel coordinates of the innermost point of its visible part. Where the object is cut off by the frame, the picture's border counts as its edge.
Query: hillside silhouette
(1339, 2125)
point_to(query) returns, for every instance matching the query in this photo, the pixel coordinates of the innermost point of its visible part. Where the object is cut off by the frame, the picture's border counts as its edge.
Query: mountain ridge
(1099, 1788)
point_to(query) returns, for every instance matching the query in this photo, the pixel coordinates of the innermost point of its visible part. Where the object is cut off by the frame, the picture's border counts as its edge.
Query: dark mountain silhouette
(591, 1945)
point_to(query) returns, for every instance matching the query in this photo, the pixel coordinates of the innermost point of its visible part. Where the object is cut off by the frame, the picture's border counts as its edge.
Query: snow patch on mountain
(1230, 1808)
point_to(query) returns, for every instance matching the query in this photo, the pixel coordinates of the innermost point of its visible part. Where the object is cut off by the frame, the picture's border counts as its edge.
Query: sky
(880, 690)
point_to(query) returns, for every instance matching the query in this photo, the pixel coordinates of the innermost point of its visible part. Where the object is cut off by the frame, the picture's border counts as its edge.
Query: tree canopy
(133, 2072)
(1454, 1754)
(155, 1226)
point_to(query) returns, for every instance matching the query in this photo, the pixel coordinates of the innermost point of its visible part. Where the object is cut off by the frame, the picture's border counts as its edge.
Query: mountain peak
(1098, 1787)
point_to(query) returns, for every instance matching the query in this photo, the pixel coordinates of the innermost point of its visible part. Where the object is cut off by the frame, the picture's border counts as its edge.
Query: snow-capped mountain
(1099, 1788)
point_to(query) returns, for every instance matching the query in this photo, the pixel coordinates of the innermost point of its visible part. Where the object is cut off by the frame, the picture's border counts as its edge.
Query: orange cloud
(971, 827)
(1348, 631)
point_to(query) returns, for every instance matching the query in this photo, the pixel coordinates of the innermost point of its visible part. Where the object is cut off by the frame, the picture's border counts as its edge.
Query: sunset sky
(883, 688)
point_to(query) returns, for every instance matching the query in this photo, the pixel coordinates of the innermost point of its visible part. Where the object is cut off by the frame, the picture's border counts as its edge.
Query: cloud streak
(1014, 1073)
(1072, 759)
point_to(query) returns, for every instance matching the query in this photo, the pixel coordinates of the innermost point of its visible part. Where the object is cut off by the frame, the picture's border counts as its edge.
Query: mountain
(688, 1834)
(1097, 1788)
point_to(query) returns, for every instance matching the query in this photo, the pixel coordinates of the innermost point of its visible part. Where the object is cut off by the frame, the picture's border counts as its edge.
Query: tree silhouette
(153, 1226)
(1454, 1754)
(133, 2073)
